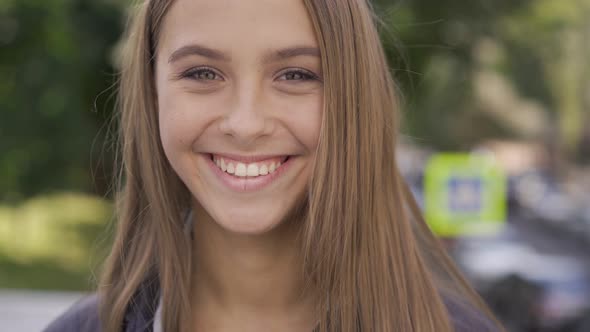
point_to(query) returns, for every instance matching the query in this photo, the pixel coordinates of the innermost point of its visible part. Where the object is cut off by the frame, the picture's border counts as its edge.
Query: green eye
(201, 74)
(298, 75)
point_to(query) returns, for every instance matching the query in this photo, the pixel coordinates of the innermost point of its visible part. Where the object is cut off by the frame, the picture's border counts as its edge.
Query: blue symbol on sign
(465, 194)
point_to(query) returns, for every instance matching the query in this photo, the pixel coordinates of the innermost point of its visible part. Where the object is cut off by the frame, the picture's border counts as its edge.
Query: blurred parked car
(528, 289)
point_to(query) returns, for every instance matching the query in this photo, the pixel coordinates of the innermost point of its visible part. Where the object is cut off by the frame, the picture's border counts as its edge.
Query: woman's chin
(248, 219)
(249, 226)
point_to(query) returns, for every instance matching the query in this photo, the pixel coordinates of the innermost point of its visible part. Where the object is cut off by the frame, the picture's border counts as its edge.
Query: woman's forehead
(235, 25)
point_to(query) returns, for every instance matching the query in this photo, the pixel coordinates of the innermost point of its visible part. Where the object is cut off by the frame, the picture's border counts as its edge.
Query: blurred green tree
(556, 36)
(54, 93)
(431, 47)
(455, 59)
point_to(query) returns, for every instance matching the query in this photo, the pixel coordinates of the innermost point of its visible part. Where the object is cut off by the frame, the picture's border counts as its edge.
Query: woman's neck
(248, 282)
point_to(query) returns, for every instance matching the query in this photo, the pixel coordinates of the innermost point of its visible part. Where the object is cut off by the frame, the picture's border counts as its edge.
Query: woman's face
(240, 100)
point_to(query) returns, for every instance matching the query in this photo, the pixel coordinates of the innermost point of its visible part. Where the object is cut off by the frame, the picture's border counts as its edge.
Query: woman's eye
(201, 74)
(298, 75)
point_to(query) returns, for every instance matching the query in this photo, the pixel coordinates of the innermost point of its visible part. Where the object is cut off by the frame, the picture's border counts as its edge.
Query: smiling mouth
(250, 169)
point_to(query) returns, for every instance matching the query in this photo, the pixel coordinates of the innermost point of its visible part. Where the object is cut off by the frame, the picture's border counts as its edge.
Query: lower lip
(248, 184)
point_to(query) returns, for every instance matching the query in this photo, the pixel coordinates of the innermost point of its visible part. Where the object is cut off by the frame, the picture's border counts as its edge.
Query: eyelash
(305, 75)
(193, 73)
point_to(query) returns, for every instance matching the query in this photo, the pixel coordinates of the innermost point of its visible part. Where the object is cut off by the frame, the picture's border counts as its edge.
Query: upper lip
(249, 159)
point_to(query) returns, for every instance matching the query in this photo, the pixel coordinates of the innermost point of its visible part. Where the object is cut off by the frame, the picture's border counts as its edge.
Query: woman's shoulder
(82, 316)
(466, 318)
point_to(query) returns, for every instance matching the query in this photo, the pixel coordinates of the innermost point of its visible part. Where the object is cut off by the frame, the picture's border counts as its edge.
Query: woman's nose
(247, 119)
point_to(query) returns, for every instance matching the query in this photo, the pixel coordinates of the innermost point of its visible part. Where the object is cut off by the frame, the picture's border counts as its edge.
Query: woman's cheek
(184, 117)
(305, 117)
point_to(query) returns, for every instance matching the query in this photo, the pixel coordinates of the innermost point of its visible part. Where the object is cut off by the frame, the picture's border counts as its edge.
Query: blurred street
(31, 311)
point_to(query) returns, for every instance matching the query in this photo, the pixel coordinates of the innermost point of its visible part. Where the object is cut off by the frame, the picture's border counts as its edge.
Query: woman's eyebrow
(272, 56)
(291, 52)
(195, 49)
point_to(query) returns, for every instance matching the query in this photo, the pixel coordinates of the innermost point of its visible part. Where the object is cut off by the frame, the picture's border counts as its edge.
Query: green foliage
(53, 241)
(438, 58)
(54, 64)
(554, 36)
(435, 65)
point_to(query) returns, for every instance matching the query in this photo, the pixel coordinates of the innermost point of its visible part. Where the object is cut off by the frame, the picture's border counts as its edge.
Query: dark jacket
(83, 316)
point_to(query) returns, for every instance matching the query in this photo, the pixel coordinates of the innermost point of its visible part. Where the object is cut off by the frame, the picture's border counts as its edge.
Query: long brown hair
(368, 254)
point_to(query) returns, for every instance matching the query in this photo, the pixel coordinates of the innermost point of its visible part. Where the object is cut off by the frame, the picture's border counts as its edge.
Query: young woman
(259, 189)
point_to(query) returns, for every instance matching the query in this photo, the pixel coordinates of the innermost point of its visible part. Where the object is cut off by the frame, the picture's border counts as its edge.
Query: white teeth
(252, 170)
(230, 168)
(240, 170)
(243, 170)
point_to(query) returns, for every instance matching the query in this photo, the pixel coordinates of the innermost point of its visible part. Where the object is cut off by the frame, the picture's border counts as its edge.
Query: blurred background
(503, 81)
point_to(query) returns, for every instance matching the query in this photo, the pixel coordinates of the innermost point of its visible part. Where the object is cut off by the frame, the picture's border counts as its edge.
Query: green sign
(464, 194)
